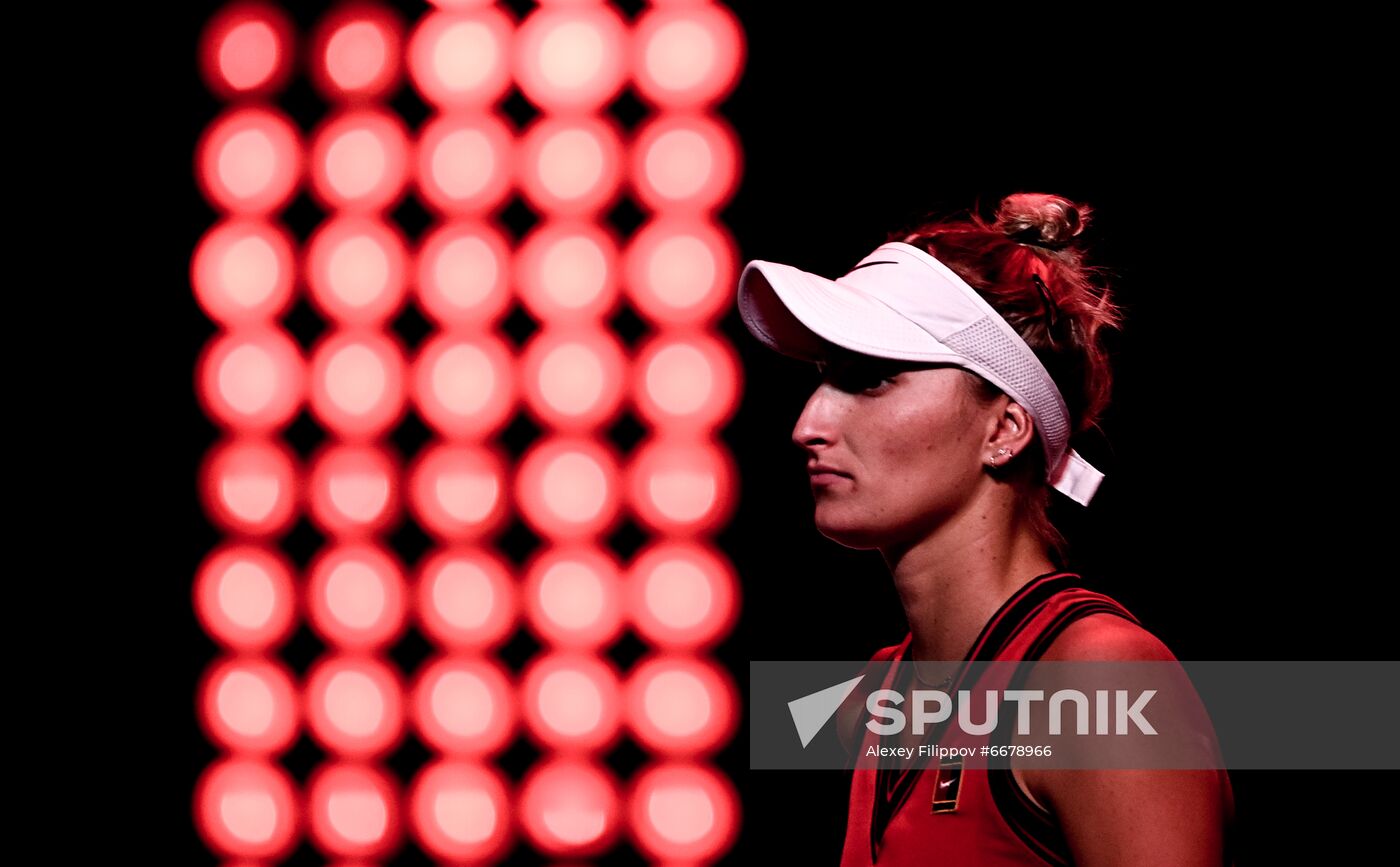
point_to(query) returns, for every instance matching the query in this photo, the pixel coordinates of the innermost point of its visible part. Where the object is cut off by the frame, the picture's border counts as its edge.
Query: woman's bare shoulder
(1106, 637)
(1131, 815)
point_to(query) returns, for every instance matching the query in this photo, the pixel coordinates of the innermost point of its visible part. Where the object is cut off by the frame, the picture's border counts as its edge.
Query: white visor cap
(900, 302)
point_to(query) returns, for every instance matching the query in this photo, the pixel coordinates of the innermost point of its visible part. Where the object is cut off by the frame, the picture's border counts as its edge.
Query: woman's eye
(856, 378)
(861, 380)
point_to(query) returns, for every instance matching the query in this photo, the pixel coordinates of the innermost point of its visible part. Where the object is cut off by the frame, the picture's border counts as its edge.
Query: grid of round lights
(356, 380)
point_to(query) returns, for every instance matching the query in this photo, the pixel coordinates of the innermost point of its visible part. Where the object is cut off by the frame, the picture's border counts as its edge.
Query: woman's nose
(817, 423)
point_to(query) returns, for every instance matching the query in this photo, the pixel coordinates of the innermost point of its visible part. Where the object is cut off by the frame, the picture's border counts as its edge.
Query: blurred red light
(569, 806)
(249, 486)
(360, 160)
(247, 808)
(357, 383)
(466, 598)
(245, 51)
(466, 163)
(679, 271)
(464, 705)
(356, 268)
(464, 384)
(573, 375)
(568, 488)
(572, 58)
(353, 810)
(571, 166)
(567, 272)
(681, 594)
(463, 274)
(458, 492)
(573, 379)
(571, 702)
(243, 596)
(355, 596)
(249, 704)
(242, 271)
(353, 490)
(687, 56)
(681, 486)
(685, 381)
(573, 596)
(686, 162)
(249, 161)
(682, 811)
(356, 52)
(252, 380)
(680, 705)
(354, 705)
(461, 59)
(460, 811)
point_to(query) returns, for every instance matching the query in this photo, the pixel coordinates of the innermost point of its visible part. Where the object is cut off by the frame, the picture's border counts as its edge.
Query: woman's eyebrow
(847, 357)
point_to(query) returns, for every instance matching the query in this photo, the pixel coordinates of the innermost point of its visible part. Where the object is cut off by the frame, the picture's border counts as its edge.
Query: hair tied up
(1041, 220)
(1053, 300)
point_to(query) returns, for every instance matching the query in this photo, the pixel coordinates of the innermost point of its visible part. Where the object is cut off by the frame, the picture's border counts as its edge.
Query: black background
(1237, 188)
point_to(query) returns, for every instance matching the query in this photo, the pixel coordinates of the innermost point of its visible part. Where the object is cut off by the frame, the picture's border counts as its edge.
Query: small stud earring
(1000, 452)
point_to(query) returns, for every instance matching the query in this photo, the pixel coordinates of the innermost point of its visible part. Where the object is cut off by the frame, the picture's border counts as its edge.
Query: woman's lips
(824, 475)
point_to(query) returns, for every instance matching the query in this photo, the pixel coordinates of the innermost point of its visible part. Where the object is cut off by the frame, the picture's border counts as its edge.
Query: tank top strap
(1020, 629)
(851, 730)
(1031, 822)
(1027, 630)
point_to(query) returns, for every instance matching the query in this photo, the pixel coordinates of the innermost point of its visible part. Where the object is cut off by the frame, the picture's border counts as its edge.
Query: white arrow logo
(810, 712)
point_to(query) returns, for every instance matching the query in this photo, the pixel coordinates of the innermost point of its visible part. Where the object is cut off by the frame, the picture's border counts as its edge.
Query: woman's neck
(953, 580)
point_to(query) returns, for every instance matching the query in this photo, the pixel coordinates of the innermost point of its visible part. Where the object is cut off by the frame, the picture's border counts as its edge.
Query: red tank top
(915, 815)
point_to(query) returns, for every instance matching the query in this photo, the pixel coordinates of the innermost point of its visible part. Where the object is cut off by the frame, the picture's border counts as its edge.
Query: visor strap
(1076, 478)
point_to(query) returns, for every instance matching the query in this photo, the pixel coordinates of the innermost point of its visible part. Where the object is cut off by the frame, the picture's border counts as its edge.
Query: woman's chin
(849, 533)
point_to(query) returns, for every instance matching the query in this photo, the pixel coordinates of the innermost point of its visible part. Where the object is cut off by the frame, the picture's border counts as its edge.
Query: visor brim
(793, 312)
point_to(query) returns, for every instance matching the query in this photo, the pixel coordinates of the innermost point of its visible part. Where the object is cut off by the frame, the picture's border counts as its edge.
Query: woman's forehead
(830, 353)
(839, 356)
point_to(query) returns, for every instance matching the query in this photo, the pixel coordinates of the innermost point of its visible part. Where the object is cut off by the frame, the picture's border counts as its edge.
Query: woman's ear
(1014, 433)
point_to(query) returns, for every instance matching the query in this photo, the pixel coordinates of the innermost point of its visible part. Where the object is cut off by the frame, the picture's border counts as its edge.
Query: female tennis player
(957, 360)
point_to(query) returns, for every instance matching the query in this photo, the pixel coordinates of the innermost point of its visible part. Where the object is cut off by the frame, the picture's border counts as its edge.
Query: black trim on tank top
(1031, 822)
(1070, 615)
(893, 788)
(1027, 819)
